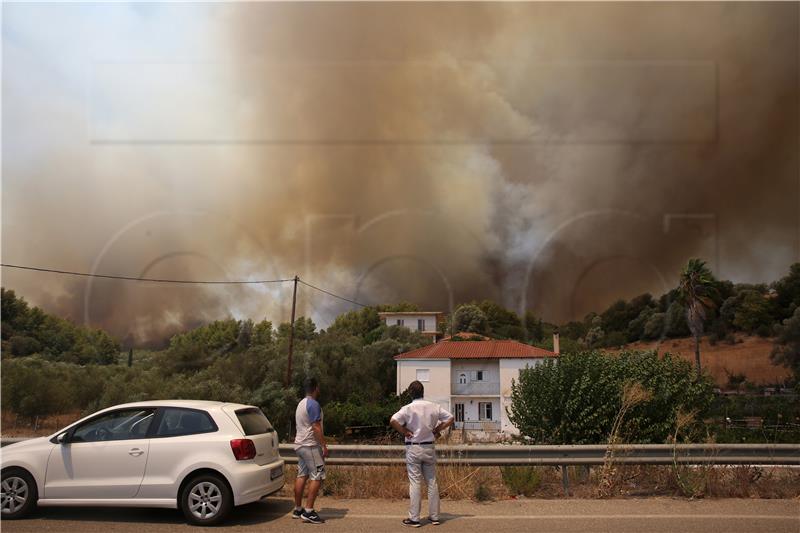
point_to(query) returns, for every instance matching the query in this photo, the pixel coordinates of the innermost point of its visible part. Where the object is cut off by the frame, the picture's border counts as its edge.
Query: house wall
(491, 378)
(437, 388)
(509, 370)
(443, 377)
(471, 410)
(410, 321)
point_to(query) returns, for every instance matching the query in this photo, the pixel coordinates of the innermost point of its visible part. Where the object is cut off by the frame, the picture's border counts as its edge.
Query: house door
(459, 412)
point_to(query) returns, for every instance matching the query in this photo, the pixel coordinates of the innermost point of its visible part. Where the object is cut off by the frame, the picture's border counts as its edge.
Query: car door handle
(136, 452)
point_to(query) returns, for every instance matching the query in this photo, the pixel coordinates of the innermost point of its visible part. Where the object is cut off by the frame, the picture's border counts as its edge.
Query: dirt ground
(749, 357)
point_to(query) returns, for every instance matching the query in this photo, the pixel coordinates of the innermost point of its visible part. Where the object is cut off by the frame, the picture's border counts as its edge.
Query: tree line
(51, 365)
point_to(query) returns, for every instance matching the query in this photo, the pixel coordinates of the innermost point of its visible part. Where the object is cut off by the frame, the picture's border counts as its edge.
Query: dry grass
(15, 426)
(749, 357)
(610, 476)
(390, 482)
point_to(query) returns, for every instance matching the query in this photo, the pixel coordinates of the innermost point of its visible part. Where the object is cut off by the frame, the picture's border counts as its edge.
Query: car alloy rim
(14, 494)
(204, 500)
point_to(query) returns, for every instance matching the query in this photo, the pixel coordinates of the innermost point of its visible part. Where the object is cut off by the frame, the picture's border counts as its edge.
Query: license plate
(275, 473)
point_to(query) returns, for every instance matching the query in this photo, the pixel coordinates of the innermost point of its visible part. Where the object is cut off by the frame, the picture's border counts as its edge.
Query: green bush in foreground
(524, 480)
(576, 399)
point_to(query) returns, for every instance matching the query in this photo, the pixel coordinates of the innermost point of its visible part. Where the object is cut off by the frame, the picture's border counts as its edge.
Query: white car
(201, 457)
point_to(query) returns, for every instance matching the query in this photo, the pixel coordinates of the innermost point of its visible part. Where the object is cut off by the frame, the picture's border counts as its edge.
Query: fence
(510, 455)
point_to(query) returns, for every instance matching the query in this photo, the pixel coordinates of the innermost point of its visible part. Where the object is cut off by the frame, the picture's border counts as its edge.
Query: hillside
(749, 356)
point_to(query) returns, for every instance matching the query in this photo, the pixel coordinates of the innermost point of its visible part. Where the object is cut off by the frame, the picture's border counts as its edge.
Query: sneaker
(434, 521)
(297, 513)
(411, 523)
(311, 517)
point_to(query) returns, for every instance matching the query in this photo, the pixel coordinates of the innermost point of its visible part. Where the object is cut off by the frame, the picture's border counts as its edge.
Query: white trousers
(421, 463)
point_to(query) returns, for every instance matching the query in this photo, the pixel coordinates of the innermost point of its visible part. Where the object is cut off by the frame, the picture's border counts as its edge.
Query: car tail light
(243, 449)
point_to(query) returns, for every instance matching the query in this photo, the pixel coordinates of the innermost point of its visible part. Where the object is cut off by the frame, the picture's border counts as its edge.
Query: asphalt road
(552, 516)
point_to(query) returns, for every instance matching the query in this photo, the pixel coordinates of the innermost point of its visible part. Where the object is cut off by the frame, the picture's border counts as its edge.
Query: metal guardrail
(5, 441)
(519, 455)
(510, 455)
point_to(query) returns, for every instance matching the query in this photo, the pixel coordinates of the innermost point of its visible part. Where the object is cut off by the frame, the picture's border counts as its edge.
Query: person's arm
(400, 428)
(445, 421)
(398, 422)
(316, 427)
(315, 416)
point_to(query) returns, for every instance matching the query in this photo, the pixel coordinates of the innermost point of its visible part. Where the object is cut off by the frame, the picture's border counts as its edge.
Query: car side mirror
(62, 439)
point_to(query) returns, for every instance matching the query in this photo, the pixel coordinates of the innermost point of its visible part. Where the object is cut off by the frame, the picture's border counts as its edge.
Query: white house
(425, 322)
(471, 378)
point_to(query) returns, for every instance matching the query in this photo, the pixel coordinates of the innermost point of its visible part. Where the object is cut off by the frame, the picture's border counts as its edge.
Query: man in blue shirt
(309, 444)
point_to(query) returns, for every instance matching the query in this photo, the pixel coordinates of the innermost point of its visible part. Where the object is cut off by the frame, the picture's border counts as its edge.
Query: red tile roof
(488, 349)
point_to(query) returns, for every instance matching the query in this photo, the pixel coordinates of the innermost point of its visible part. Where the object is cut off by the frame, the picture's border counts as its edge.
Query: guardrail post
(565, 479)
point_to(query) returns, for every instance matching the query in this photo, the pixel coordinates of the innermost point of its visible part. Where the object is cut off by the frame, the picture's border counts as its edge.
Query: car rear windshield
(253, 421)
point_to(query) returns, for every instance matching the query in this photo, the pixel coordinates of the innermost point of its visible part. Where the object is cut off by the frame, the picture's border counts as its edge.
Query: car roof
(190, 404)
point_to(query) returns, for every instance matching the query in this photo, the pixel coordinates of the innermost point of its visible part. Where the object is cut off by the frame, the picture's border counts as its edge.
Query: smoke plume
(552, 157)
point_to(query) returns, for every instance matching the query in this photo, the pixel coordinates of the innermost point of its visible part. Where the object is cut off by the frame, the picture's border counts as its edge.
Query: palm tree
(696, 292)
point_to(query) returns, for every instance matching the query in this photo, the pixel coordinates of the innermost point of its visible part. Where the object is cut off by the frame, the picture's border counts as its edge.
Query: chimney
(556, 348)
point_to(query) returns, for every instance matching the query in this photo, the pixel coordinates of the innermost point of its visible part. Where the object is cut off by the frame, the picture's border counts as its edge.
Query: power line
(153, 280)
(181, 281)
(332, 294)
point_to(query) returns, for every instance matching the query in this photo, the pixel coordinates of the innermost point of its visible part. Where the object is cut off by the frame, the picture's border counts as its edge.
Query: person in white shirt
(421, 422)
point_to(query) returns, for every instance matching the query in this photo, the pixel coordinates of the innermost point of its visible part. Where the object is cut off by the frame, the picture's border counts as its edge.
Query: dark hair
(416, 390)
(310, 385)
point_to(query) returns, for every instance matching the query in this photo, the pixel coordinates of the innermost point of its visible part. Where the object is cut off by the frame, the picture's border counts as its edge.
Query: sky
(550, 157)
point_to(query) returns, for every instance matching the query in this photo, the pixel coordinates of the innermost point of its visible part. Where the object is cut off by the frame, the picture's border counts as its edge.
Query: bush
(33, 388)
(752, 312)
(482, 492)
(469, 318)
(575, 399)
(22, 346)
(615, 339)
(524, 480)
(29, 330)
(340, 415)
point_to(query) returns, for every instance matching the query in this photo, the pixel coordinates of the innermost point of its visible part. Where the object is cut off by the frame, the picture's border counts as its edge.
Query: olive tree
(575, 399)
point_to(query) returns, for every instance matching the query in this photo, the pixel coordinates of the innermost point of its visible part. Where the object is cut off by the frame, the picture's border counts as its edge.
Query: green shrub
(575, 399)
(340, 415)
(524, 480)
(482, 492)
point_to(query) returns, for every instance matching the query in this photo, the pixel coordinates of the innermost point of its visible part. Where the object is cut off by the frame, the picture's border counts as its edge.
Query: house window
(459, 412)
(484, 410)
(462, 379)
(477, 375)
(423, 374)
(421, 324)
(401, 322)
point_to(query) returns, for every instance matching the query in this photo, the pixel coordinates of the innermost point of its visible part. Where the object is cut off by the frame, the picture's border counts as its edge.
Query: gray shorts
(310, 463)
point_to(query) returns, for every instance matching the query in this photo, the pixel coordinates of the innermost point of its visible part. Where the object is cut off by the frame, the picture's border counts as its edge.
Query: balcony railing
(478, 425)
(489, 388)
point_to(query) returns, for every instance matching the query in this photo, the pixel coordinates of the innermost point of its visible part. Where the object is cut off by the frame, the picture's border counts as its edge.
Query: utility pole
(291, 334)
(130, 358)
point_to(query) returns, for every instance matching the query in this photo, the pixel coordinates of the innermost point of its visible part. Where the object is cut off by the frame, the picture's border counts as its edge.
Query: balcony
(482, 425)
(476, 388)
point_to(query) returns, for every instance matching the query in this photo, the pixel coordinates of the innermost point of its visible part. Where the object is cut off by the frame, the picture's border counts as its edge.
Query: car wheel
(206, 500)
(18, 494)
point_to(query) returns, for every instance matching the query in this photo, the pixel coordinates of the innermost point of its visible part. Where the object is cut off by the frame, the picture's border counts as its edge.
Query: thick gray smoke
(552, 157)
